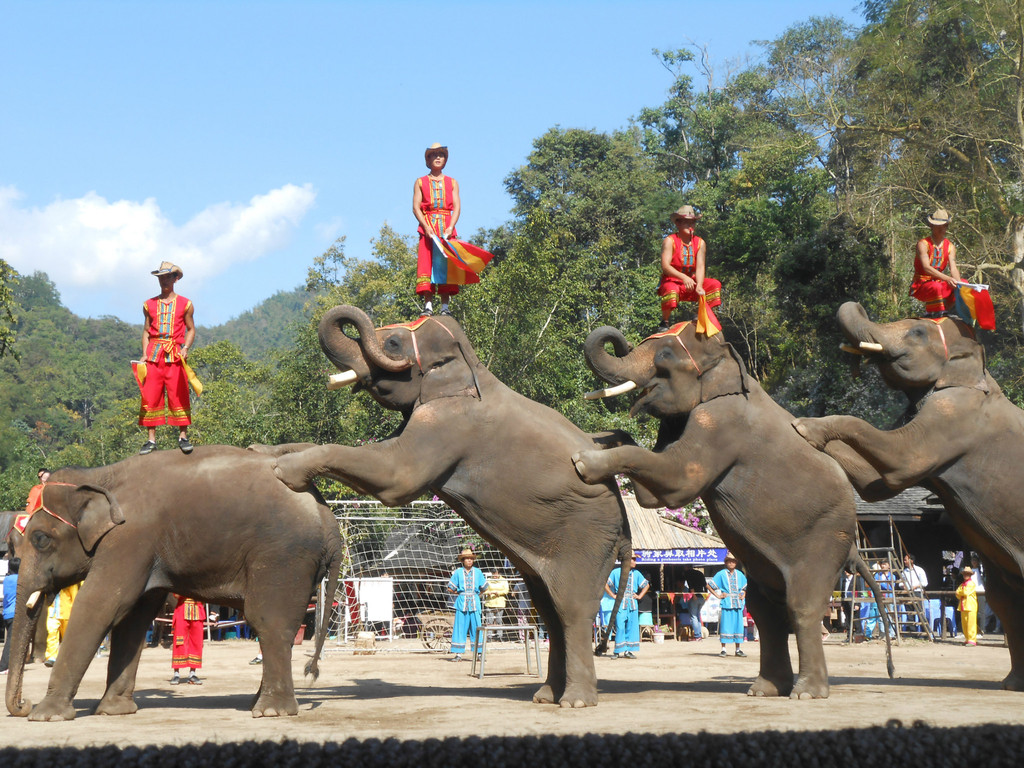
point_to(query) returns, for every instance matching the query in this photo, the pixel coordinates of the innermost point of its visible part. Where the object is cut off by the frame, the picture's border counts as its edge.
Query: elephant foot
(292, 472)
(117, 705)
(1013, 681)
(812, 431)
(577, 697)
(51, 711)
(544, 695)
(268, 707)
(260, 448)
(808, 689)
(762, 686)
(589, 466)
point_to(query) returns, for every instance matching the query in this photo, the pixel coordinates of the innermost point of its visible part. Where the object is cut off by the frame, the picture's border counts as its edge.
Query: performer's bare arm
(190, 331)
(145, 332)
(457, 202)
(417, 201)
(699, 274)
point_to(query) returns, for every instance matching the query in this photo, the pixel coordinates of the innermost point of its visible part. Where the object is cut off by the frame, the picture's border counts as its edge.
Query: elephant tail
(862, 568)
(326, 609)
(625, 555)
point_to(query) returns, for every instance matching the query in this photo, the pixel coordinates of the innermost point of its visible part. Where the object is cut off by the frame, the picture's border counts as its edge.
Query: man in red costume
(682, 267)
(187, 648)
(436, 206)
(167, 334)
(934, 254)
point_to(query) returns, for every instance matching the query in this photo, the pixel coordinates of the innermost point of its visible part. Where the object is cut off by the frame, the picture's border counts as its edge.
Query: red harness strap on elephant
(50, 512)
(676, 330)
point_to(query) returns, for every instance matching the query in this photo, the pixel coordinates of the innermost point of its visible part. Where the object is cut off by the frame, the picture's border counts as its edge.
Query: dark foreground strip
(990, 746)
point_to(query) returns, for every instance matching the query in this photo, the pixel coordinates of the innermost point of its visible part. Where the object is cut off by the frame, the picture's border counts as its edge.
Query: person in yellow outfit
(967, 594)
(57, 621)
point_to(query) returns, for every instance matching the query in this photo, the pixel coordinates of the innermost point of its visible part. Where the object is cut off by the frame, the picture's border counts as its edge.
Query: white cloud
(108, 249)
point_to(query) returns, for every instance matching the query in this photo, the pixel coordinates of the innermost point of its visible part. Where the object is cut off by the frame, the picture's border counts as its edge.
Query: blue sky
(240, 139)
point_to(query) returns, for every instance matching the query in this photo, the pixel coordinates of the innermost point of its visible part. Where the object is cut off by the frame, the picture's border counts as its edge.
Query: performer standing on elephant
(682, 267)
(167, 334)
(933, 256)
(627, 619)
(730, 587)
(187, 644)
(466, 583)
(436, 206)
(967, 594)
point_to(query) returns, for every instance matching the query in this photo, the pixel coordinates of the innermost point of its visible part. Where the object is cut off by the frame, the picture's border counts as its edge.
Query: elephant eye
(41, 540)
(392, 345)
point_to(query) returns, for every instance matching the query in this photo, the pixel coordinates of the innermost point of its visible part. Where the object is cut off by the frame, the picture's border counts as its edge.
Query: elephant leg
(554, 685)
(126, 641)
(776, 672)
(658, 473)
(805, 615)
(279, 450)
(275, 616)
(94, 613)
(1003, 591)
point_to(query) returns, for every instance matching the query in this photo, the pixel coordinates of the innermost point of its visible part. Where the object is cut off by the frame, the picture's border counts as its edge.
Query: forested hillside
(814, 169)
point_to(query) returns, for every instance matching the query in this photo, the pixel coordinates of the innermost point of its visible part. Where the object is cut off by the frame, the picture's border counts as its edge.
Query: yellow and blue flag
(974, 304)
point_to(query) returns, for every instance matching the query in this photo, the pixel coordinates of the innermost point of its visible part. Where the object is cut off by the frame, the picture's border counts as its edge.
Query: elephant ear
(966, 364)
(451, 376)
(727, 375)
(98, 512)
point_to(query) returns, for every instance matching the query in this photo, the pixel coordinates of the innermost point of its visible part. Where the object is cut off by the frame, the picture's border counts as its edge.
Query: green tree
(8, 308)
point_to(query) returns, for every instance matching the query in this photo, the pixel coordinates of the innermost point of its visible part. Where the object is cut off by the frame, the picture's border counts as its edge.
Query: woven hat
(435, 149)
(686, 213)
(966, 570)
(940, 217)
(467, 552)
(167, 268)
(730, 556)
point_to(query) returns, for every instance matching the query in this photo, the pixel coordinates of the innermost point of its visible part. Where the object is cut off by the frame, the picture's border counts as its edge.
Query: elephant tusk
(33, 599)
(597, 394)
(851, 349)
(870, 346)
(341, 380)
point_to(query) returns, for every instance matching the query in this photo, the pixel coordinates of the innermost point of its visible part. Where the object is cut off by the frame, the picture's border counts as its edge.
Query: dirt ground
(671, 687)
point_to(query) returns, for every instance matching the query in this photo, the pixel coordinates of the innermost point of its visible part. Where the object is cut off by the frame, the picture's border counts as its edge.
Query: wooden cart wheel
(437, 634)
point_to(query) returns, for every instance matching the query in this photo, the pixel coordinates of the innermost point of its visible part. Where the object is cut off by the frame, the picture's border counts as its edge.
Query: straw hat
(940, 217)
(435, 149)
(467, 552)
(966, 570)
(167, 268)
(686, 213)
(730, 556)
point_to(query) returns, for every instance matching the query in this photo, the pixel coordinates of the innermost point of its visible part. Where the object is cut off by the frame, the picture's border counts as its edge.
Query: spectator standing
(495, 598)
(914, 578)
(697, 585)
(187, 627)
(967, 595)
(466, 584)
(10, 600)
(57, 621)
(627, 618)
(730, 587)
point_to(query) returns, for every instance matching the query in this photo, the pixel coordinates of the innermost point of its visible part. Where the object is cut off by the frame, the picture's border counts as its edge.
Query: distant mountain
(268, 326)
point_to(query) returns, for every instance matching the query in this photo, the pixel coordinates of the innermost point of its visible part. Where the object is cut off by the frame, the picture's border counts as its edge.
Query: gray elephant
(217, 526)
(787, 512)
(499, 459)
(960, 438)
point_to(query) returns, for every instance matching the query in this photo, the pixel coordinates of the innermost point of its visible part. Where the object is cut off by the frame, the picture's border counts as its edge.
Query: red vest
(684, 257)
(165, 322)
(938, 258)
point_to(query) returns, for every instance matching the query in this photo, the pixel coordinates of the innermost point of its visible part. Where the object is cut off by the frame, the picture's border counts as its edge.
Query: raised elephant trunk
(22, 630)
(357, 354)
(863, 334)
(627, 368)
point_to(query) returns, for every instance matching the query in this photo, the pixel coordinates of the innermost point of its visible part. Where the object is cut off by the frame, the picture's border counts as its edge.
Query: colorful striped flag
(454, 262)
(974, 304)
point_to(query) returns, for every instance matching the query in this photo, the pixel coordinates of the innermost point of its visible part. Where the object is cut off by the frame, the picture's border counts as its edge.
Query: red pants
(187, 649)
(163, 377)
(424, 263)
(673, 291)
(937, 295)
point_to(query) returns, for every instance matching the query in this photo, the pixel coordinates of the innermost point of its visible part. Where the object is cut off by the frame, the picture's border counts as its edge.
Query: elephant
(217, 526)
(960, 438)
(497, 458)
(786, 512)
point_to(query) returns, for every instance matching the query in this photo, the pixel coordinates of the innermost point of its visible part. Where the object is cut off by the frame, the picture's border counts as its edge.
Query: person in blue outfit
(872, 620)
(10, 599)
(627, 618)
(730, 587)
(466, 584)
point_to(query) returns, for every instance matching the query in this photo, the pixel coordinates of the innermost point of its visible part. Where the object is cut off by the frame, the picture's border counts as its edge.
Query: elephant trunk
(864, 335)
(356, 354)
(22, 629)
(626, 366)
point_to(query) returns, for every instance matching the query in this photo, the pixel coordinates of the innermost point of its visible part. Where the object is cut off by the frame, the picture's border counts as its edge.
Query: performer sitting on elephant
(436, 206)
(934, 254)
(167, 333)
(682, 267)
